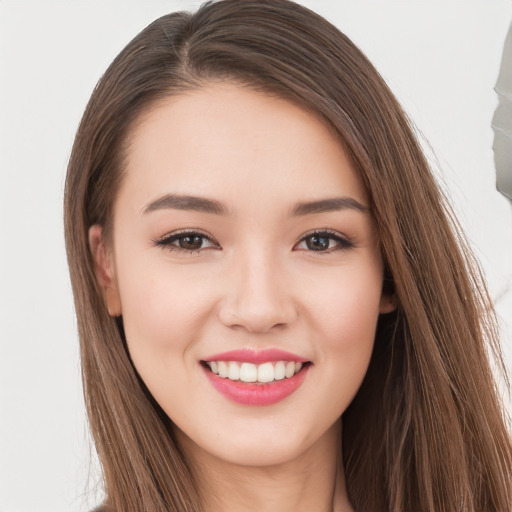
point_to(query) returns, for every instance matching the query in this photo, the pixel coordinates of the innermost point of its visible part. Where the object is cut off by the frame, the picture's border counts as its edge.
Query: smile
(245, 377)
(249, 372)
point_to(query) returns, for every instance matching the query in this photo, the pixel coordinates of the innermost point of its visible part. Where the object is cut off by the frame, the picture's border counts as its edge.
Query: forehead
(225, 140)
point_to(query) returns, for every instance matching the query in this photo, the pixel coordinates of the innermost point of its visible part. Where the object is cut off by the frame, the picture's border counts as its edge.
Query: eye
(323, 241)
(187, 241)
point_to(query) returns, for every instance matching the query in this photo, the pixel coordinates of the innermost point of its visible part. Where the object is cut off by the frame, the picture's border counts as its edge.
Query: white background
(441, 58)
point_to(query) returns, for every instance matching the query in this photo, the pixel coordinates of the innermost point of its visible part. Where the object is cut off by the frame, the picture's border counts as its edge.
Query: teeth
(266, 372)
(223, 369)
(279, 371)
(234, 371)
(248, 372)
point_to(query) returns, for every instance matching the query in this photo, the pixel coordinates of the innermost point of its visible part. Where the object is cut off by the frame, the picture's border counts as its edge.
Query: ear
(388, 303)
(104, 268)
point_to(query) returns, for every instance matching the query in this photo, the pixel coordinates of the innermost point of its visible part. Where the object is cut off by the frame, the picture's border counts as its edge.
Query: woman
(275, 312)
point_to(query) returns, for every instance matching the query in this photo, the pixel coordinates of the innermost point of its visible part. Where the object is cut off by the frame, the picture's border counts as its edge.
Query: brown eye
(317, 243)
(324, 241)
(187, 242)
(191, 243)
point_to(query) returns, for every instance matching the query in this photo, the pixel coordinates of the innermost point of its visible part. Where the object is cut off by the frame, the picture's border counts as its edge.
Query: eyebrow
(179, 202)
(202, 204)
(328, 205)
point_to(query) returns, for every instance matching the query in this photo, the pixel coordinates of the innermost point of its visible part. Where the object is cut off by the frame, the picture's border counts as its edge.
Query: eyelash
(343, 243)
(167, 242)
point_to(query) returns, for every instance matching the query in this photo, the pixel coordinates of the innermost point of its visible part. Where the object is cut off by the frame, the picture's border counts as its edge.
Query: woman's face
(242, 245)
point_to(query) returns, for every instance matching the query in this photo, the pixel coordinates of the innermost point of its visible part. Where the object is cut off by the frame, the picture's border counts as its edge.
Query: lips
(256, 378)
(256, 356)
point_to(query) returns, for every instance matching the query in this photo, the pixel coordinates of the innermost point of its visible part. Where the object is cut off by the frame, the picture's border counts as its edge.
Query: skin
(254, 283)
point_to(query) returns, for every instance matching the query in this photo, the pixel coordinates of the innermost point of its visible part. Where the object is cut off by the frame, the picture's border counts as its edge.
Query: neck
(314, 480)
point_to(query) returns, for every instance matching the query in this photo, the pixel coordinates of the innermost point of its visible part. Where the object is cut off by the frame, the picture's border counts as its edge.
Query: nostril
(257, 321)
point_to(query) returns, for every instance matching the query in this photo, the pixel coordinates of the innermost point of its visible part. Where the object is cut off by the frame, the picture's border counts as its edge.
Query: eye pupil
(191, 242)
(317, 243)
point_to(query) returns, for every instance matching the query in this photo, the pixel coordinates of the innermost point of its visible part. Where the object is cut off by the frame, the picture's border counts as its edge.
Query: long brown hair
(426, 431)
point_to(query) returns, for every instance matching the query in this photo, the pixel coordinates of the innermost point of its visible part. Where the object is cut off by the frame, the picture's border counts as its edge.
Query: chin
(262, 446)
(259, 455)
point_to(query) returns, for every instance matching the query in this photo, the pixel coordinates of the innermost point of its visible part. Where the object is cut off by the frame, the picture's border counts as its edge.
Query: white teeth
(290, 369)
(248, 372)
(223, 369)
(234, 371)
(266, 372)
(279, 370)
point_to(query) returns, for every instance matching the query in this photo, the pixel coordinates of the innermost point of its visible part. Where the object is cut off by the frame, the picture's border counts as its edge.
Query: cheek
(163, 312)
(345, 315)
(163, 320)
(353, 318)
(345, 304)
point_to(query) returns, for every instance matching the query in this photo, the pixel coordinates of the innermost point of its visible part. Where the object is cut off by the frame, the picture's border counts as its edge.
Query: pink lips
(256, 356)
(256, 394)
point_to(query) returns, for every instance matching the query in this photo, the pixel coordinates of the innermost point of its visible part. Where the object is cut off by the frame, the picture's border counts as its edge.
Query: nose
(258, 297)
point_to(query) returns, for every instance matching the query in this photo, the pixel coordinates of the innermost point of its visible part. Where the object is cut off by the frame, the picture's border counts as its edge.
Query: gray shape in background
(502, 121)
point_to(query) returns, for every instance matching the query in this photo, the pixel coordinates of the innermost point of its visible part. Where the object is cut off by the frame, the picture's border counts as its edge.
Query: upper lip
(256, 356)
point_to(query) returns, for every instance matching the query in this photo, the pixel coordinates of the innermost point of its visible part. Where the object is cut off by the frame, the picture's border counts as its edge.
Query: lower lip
(248, 393)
